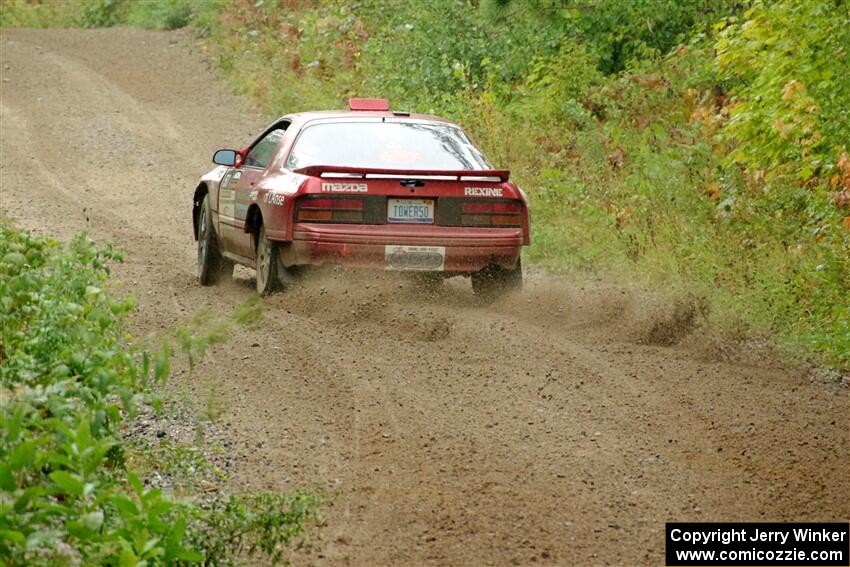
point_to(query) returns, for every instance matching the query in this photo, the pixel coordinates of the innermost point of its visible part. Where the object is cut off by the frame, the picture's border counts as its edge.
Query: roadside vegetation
(685, 146)
(72, 489)
(695, 147)
(690, 146)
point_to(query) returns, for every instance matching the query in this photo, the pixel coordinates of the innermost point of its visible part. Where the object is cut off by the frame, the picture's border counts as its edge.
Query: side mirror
(225, 157)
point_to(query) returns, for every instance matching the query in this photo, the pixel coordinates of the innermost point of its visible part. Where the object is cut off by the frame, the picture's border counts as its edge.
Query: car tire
(212, 266)
(494, 281)
(267, 263)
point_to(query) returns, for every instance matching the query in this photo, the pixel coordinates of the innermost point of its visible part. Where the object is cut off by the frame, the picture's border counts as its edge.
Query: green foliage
(165, 14)
(101, 13)
(619, 34)
(288, 60)
(423, 53)
(149, 14)
(59, 326)
(29, 14)
(67, 382)
(789, 61)
(263, 524)
(558, 88)
(186, 466)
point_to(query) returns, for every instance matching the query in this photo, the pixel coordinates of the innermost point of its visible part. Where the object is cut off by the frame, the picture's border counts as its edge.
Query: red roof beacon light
(379, 104)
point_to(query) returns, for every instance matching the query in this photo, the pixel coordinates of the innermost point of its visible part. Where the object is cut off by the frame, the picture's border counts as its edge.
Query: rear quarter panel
(275, 197)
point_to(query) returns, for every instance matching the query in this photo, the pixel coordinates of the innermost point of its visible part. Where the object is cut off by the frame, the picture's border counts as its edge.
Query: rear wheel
(494, 281)
(267, 264)
(212, 266)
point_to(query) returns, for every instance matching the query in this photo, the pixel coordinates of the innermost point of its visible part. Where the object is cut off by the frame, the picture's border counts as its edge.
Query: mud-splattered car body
(373, 206)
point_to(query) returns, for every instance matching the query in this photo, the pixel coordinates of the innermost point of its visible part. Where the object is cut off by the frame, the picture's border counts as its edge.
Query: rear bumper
(365, 246)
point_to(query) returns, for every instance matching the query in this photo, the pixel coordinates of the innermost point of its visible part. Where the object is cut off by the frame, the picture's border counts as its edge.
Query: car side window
(263, 151)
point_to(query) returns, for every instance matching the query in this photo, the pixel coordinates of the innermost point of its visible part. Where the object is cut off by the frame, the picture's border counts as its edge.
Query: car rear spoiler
(377, 172)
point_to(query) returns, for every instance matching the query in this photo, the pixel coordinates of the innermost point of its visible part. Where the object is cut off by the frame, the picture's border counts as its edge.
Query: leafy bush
(256, 524)
(422, 54)
(619, 34)
(67, 382)
(162, 14)
(101, 13)
(789, 62)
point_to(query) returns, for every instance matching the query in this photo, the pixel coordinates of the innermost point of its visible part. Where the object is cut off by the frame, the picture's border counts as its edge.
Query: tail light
(491, 213)
(330, 209)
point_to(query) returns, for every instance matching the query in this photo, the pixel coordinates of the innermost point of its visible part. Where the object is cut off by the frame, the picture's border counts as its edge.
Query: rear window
(389, 145)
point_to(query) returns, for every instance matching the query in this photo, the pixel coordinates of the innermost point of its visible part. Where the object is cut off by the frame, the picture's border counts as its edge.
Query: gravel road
(548, 429)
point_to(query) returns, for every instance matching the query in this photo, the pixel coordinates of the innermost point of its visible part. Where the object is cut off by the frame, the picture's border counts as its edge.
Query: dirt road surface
(543, 430)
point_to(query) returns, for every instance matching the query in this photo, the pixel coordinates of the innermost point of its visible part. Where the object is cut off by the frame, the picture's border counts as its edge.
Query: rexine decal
(345, 188)
(482, 191)
(273, 198)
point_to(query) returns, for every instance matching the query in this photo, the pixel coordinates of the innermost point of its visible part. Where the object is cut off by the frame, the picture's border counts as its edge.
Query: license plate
(410, 210)
(415, 258)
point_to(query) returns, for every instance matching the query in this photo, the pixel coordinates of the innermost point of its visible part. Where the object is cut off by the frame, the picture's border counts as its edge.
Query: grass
(186, 466)
(26, 14)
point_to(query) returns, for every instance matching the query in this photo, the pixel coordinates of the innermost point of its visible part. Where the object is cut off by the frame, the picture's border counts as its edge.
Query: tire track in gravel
(541, 430)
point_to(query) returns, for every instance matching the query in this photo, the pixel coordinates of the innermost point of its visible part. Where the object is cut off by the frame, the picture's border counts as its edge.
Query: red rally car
(364, 188)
